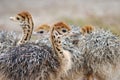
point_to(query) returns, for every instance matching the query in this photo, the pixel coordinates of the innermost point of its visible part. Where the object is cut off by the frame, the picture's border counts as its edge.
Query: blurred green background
(100, 13)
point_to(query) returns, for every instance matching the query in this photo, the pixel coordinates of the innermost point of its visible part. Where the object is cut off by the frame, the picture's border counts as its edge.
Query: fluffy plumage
(101, 52)
(32, 61)
(7, 40)
(29, 62)
(100, 55)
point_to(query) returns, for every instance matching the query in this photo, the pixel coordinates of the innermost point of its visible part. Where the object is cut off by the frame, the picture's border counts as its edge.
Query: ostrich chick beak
(12, 18)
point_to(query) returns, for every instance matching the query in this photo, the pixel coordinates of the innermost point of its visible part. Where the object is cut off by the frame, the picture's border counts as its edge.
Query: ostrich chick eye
(64, 30)
(41, 32)
(18, 18)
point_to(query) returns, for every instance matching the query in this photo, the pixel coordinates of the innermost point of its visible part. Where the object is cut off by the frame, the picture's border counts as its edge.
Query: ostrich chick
(86, 29)
(25, 20)
(30, 61)
(76, 56)
(43, 32)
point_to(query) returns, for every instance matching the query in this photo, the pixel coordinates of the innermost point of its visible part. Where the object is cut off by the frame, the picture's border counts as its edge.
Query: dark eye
(41, 32)
(18, 18)
(64, 30)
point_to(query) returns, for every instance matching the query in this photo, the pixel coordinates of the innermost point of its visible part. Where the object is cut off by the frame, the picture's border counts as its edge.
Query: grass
(106, 22)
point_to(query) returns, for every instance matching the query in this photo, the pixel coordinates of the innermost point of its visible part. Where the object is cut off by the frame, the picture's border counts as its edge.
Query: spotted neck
(27, 28)
(56, 43)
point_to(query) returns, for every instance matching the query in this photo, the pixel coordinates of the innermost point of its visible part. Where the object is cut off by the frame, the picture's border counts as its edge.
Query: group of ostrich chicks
(63, 52)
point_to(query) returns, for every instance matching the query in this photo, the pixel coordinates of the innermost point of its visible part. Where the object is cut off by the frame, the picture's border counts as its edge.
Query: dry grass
(106, 22)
